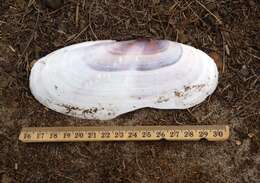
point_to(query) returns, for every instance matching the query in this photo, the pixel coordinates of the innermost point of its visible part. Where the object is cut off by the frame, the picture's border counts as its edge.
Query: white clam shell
(103, 79)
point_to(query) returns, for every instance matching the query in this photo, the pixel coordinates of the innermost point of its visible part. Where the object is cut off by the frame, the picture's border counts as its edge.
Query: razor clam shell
(77, 81)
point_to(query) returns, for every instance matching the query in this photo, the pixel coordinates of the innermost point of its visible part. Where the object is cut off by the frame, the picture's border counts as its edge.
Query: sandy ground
(228, 30)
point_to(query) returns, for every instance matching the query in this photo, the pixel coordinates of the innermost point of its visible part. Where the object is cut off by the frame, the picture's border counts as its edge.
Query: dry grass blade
(212, 14)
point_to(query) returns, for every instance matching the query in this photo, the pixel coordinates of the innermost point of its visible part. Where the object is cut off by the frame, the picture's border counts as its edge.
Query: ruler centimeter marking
(124, 133)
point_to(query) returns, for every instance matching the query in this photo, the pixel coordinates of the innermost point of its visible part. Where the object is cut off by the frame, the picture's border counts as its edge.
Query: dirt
(230, 29)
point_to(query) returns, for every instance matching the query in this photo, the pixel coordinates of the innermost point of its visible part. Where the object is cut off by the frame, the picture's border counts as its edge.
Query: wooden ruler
(124, 133)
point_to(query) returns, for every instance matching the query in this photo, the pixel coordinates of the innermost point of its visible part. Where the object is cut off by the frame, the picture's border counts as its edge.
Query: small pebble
(251, 135)
(238, 142)
(54, 4)
(16, 166)
(244, 71)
